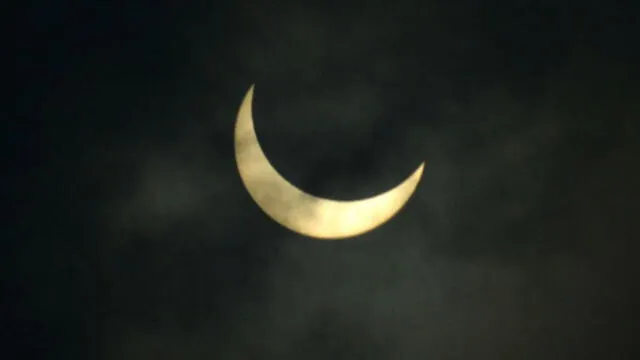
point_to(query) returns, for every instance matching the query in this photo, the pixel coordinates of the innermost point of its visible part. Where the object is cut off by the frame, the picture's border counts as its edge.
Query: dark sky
(136, 240)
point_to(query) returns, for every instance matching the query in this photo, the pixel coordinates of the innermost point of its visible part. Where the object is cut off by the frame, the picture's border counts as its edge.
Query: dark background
(136, 240)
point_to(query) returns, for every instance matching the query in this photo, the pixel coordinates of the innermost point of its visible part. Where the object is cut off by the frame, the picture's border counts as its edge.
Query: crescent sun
(299, 211)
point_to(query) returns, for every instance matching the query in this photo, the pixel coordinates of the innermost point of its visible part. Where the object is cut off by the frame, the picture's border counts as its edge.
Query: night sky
(135, 238)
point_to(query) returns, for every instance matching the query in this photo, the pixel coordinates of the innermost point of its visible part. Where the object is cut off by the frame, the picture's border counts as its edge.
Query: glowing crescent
(301, 212)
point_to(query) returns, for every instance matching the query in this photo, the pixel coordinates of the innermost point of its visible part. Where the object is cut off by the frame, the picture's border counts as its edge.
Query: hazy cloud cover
(517, 243)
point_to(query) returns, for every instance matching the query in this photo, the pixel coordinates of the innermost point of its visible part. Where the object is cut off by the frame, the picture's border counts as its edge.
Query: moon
(299, 211)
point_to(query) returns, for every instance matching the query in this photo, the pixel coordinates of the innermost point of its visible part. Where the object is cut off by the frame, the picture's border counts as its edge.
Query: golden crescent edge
(299, 211)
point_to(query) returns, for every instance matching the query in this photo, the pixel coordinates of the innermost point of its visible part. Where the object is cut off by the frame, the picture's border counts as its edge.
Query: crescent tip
(249, 95)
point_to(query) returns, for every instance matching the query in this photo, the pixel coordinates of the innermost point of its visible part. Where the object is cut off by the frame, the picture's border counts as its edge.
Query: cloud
(488, 258)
